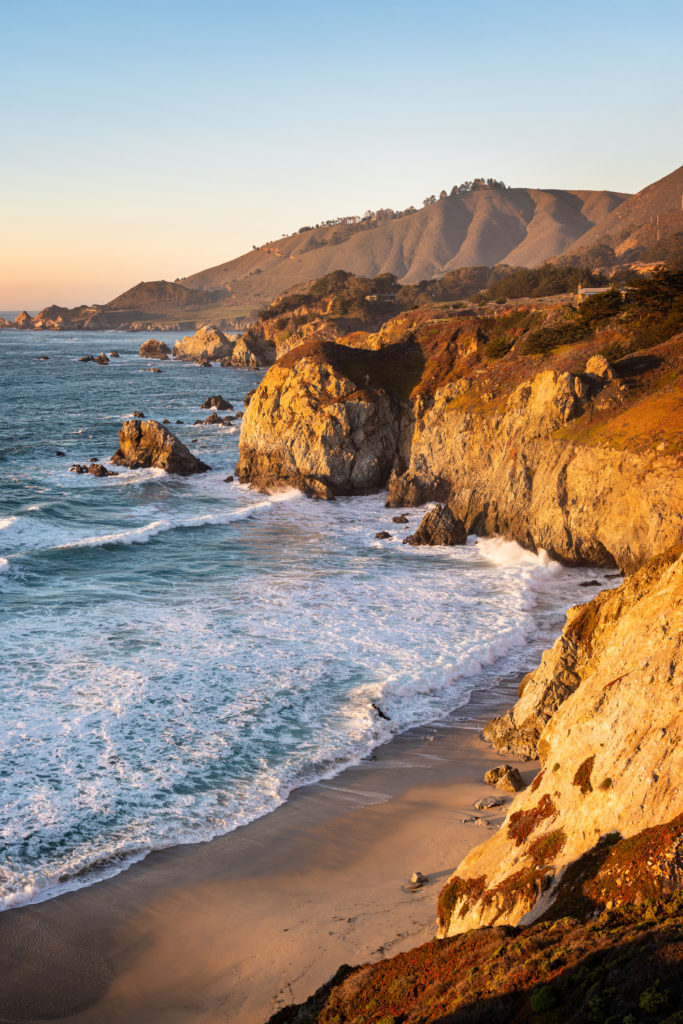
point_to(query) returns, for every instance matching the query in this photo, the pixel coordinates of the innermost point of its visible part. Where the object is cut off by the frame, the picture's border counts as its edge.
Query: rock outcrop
(148, 443)
(215, 402)
(208, 342)
(154, 349)
(211, 344)
(504, 461)
(312, 426)
(611, 756)
(439, 526)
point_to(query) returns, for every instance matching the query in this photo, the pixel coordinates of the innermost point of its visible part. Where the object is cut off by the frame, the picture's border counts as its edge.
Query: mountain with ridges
(485, 226)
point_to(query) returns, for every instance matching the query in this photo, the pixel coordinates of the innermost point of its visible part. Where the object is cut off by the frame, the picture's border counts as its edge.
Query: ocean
(179, 654)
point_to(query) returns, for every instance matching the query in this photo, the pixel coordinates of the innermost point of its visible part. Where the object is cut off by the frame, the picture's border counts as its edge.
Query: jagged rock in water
(114, 355)
(399, 519)
(439, 526)
(382, 535)
(154, 349)
(151, 444)
(102, 359)
(215, 402)
(312, 427)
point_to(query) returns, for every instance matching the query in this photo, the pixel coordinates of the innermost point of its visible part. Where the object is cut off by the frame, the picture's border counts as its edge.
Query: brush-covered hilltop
(559, 426)
(480, 223)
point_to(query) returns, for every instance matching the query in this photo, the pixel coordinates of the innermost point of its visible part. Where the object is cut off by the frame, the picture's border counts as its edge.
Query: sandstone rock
(399, 519)
(439, 526)
(151, 444)
(139, 415)
(505, 777)
(382, 535)
(612, 761)
(591, 630)
(310, 422)
(203, 361)
(77, 468)
(417, 878)
(86, 359)
(114, 355)
(215, 402)
(243, 355)
(208, 343)
(102, 359)
(215, 418)
(598, 366)
(154, 349)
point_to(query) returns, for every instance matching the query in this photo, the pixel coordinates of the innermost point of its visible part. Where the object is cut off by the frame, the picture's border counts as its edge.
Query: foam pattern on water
(178, 654)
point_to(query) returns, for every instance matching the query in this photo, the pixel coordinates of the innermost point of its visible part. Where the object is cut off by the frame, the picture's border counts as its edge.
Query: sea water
(179, 653)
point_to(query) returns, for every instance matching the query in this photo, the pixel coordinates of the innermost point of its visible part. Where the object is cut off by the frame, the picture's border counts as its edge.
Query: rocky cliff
(611, 758)
(555, 453)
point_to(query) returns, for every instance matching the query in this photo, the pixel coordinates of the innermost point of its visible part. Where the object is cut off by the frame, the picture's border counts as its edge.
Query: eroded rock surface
(154, 349)
(439, 526)
(611, 755)
(313, 427)
(148, 443)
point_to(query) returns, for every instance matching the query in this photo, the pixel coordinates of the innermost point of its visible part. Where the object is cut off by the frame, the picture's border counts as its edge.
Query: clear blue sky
(153, 139)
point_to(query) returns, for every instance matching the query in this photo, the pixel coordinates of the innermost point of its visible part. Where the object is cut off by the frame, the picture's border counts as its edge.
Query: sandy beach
(234, 929)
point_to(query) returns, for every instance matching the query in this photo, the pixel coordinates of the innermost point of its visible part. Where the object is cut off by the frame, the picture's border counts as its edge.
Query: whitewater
(180, 654)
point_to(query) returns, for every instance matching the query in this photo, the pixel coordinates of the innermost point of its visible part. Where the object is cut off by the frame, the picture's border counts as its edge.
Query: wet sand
(234, 929)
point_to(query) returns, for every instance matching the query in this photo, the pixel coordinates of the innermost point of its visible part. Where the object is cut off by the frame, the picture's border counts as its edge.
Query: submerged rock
(439, 526)
(151, 444)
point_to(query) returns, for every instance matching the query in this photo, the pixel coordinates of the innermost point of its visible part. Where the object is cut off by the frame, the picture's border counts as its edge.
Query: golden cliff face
(611, 756)
(336, 420)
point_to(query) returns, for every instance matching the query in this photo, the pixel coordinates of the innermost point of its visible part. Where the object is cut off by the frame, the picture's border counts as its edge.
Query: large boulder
(439, 526)
(311, 426)
(208, 342)
(148, 443)
(154, 349)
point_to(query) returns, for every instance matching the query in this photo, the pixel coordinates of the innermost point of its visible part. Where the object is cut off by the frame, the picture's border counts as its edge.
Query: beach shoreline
(238, 927)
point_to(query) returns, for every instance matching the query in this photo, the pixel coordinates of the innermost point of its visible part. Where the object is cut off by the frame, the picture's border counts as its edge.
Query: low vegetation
(609, 951)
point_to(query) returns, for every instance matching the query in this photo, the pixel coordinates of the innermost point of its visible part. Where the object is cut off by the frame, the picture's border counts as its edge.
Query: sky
(151, 140)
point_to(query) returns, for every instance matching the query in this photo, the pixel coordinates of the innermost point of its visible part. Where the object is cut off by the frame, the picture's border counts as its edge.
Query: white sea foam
(174, 695)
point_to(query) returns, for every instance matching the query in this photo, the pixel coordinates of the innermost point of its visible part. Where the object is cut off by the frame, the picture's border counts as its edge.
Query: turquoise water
(178, 654)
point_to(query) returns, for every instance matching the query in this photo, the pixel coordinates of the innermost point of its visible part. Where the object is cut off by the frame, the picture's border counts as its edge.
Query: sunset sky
(153, 139)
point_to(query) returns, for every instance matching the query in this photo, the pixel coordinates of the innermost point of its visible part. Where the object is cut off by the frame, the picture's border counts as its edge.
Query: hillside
(479, 225)
(636, 226)
(520, 227)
